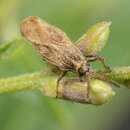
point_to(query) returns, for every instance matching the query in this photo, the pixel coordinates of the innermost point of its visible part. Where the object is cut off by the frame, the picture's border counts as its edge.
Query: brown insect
(55, 47)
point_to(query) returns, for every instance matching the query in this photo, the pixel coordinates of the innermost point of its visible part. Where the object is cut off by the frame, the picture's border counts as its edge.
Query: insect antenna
(101, 77)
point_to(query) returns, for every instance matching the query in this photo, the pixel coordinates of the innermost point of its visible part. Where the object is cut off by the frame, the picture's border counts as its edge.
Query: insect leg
(94, 58)
(88, 84)
(80, 77)
(58, 81)
(101, 77)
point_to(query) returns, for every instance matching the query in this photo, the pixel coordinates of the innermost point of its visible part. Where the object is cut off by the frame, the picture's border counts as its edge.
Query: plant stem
(70, 88)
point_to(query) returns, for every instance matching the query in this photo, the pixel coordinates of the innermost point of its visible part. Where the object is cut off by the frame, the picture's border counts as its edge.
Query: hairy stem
(70, 88)
(119, 74)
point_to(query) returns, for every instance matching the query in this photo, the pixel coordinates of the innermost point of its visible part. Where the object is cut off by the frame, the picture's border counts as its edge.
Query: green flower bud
(94, 40)
(73, 90)
(101, 92)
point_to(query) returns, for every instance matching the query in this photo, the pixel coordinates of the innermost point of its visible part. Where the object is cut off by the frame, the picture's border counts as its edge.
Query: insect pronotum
(55, 47)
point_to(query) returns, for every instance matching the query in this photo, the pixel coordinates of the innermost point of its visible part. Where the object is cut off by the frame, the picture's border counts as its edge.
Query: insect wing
(48, 40)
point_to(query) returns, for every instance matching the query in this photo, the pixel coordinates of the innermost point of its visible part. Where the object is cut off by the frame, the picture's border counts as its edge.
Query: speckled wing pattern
(52, 43)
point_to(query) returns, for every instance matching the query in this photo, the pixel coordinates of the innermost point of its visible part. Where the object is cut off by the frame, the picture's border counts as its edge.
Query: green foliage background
(31, 110)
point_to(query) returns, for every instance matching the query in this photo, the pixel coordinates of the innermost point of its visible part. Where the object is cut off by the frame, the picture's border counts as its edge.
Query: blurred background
(30, 110)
